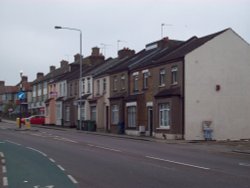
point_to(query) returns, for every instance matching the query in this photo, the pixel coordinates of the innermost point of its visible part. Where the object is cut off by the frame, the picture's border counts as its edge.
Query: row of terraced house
(169, 90)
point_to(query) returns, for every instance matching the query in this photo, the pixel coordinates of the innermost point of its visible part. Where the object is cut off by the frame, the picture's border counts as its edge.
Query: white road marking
(64, 139)
(1, 154)
(59, 166)
(4, 169)
(72, 179)
(106, 148)
(244, 164)
(5, 181)
(37, 151)
(52, 160)
(2, 142)
(3, 161)
(13, 142)
(179, 163)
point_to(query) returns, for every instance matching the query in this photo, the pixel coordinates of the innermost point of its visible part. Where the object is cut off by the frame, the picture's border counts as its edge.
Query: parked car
(35, 119)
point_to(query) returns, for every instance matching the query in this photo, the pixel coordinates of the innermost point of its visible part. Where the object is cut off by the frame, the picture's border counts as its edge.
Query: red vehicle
(36, 119)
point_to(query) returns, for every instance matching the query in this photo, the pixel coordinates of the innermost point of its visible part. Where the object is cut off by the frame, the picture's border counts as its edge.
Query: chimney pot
(125, 52)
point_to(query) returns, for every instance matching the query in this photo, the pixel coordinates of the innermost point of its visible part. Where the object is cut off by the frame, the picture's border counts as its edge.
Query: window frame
(164, 115)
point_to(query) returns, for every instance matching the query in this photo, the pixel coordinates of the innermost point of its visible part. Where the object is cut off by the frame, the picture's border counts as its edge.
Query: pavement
(236, 146)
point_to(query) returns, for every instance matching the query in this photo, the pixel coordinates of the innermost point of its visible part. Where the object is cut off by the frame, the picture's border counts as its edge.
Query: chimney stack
(125, 52)
(64, 63)
(77, 57)
(95, 51)
(24, 78)
(52, 68)
(2, 84)
(39, 75)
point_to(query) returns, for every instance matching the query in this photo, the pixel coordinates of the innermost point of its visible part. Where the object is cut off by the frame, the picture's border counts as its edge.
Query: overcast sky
(29, 42)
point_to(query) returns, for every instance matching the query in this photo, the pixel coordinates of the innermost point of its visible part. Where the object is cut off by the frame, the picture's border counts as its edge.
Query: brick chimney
(64, 63)
(24, 78)
(95, 51)
(52, 68)
(125, 52)
(77, 57)
(2, 83)
(39, 75)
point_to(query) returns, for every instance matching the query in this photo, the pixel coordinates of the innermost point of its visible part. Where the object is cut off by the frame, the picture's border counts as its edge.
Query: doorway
(150, 120)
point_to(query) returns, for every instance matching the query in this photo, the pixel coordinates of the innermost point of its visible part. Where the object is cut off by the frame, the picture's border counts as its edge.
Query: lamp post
(80, 76)
(20, 100)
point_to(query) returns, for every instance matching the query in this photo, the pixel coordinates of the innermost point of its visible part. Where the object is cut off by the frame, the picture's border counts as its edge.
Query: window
(132, 116)
(145, 80)
(164, 115)
(115, 114)
(39, 89)
(45, 85)
(135, 80)
(104, 85)
(115, 83)
(83, 86)
(174, 75)
(67, 113)
(88, 85)
(98, 87)
(123, 81)
(58, 111)
(93, 113)
(34, 91)
(162, 77)
(70, 89)
(75, 88)
(83, 112)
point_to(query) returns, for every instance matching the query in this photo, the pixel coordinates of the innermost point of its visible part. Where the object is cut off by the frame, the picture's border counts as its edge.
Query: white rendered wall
(223, 61)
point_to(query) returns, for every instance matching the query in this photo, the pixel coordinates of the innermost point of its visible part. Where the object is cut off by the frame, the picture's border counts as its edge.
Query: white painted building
(217, 88)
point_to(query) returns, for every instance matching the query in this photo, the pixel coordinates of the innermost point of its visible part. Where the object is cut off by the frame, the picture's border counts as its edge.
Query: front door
(150, 121)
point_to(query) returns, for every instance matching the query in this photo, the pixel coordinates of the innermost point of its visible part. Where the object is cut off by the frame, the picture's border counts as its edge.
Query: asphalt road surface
(69, 158)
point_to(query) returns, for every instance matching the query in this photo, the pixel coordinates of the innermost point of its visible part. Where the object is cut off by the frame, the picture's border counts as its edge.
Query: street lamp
(20, 100)
(80, 87)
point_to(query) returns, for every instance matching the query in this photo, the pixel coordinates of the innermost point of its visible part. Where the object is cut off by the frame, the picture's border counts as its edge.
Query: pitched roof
(189, 46)
(152, 52)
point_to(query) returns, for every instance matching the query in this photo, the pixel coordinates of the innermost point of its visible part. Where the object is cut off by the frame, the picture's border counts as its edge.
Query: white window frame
(164, 115)
(162, 77)
(131, 116)
(115, 114)
(136, 84)
(174, 75)
(104, 84)
(145, 80)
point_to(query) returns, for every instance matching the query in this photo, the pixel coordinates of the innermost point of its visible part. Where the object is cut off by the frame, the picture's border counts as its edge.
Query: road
(77, 159)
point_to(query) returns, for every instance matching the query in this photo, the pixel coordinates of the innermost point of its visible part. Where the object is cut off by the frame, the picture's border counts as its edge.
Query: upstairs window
(115, 83)
(83, 86)
(145, 80)
(104, 85)
(98, 87)
(174, 72)
(88, 85)
(135, 82)
(123, 81)
(162, 77)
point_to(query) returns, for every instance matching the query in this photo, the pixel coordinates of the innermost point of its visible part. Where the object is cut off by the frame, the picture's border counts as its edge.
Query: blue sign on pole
(21, 95)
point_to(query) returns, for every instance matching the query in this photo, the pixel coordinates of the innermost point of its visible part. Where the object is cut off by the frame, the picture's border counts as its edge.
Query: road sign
(21, 95)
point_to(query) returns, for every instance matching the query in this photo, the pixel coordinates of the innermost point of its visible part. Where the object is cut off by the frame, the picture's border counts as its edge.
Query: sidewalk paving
(239, 146)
